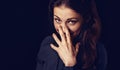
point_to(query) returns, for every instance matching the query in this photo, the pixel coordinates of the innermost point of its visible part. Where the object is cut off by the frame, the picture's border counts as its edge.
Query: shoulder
(47, 40)
(47, 58)
(101, 50)
(101, 56)
(46, 52)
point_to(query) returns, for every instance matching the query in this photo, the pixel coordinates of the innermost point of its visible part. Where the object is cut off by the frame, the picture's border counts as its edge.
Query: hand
(66, 51)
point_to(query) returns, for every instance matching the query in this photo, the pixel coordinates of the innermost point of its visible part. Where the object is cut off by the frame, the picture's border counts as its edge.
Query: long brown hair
(91, 25)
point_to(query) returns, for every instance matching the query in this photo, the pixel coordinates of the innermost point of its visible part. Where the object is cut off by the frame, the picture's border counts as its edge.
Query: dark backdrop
(26, 25)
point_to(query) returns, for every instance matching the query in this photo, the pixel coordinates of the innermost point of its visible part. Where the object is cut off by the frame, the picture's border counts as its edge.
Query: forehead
(65, 12)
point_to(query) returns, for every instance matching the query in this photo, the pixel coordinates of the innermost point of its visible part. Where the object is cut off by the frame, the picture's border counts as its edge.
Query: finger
(54, 47)
(62, 35)
(68, 37)
(56, 38)
(77, 47)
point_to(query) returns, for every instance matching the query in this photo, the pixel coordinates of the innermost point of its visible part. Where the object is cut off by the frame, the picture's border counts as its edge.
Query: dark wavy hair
(90, 29)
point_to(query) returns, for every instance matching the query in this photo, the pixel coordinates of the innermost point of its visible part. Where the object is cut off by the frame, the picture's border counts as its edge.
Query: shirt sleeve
(68, 68)
(102, 57)
(47, 57)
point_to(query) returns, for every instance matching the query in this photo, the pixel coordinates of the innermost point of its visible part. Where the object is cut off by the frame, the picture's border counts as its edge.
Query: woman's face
(67, 18)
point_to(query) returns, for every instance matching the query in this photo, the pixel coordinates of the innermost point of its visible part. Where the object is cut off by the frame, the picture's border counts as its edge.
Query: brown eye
(72, 22)
(57, 20)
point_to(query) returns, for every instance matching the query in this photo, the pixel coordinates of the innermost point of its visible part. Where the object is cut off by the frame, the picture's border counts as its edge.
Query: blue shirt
(48, 59)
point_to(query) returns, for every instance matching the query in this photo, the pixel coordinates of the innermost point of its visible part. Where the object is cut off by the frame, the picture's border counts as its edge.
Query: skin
(67, 23)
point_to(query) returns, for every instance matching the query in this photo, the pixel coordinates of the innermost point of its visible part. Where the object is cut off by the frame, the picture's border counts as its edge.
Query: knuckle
(68, 34)
(62, 35)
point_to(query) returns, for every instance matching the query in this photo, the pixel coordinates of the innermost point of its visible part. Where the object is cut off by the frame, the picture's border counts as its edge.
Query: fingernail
(53, 34)
(51, 45)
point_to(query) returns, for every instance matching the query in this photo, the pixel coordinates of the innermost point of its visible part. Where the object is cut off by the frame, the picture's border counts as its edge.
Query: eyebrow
(68, 18)
(56, 16)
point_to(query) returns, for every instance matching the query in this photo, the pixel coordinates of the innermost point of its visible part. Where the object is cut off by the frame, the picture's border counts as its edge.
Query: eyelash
(72, 22)
(69, 21)
(57, 20)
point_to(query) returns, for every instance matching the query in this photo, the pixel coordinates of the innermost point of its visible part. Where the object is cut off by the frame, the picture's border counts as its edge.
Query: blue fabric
(48, 59)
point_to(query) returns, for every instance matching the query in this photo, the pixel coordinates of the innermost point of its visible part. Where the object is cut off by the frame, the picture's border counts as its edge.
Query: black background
(25, 24)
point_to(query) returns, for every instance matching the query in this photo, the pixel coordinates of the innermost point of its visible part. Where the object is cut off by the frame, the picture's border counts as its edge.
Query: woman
(74, 45)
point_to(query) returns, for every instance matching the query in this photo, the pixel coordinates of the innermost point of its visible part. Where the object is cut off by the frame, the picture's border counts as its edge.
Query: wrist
(71, 63)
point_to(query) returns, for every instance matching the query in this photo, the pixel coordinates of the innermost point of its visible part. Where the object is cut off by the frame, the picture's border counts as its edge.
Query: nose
(63, 25)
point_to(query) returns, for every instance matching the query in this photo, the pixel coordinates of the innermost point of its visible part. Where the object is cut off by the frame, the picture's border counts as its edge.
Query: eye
(72, 22)
(57, 20)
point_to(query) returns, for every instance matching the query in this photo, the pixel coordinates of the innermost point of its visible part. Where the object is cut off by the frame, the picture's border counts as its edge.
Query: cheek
(75, 30)
(56, 26)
